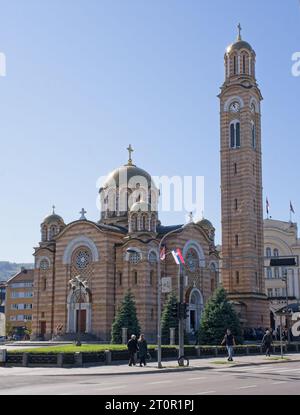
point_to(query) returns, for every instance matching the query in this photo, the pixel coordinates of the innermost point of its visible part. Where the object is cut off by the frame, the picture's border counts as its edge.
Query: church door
(81, 320)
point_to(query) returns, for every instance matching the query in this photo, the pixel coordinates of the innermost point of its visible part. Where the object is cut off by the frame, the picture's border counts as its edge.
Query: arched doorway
(195, 311)
(79, 312)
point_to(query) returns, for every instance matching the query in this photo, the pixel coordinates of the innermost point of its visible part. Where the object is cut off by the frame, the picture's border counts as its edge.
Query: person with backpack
(229, 342)
(267, 342)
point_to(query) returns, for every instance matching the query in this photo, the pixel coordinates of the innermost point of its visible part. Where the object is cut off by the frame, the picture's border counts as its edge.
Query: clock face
(234, 107)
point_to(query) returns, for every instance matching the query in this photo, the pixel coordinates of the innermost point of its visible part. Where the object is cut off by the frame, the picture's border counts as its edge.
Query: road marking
(157, 383)
(205, 393)
(248, 387)
(112, 387)
(197, 378)
(278, 383)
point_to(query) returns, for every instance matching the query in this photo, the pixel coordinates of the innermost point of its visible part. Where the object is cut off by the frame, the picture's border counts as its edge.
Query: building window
(269, 273)
(44, 265)
(83, 259)
(253, 132)
(254, 205)
(152, 257)
(235, 134)
(256, 279)
(44, 284)
(276, 252)
(236, 240)
(270, 292)
(152, 314)
(277, 292)
(120, 278)
(276, 272)
(235, 168)
(151, 277)
(255, 241)
(135, 277)
(237, 277)
(253, 166)
(42, 314)
(134, 257)
(235, 204)
(268, 252)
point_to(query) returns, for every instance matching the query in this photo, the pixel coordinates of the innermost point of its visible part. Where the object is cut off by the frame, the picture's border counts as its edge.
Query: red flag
(267, 206)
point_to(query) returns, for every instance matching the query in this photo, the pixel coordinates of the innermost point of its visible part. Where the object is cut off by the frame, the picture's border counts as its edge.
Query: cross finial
(240, 30)
(82, 212)
(130, 150)
(53, 210)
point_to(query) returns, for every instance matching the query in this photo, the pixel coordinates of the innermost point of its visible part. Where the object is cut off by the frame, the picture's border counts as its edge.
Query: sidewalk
(168, 366)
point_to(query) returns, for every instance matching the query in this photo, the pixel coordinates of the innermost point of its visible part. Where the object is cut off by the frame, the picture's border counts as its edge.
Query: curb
(175, 369)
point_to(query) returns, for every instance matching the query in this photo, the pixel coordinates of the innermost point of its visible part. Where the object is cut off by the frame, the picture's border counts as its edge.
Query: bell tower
(241, 186)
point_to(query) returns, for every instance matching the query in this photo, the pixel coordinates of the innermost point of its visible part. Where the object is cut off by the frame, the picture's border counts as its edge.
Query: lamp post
(285, 279)
(76, 283)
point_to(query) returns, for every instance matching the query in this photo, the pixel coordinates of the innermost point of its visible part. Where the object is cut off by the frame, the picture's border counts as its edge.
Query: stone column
(124, 335)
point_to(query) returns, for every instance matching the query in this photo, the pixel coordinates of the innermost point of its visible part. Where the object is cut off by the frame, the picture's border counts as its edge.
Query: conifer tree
(219, 315)
(126, 316)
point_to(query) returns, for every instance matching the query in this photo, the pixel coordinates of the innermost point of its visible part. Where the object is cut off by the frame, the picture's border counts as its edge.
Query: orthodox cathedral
(121, 250)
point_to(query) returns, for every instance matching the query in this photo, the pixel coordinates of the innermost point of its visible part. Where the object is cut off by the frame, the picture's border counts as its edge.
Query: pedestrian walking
(229, 341)
(132, 346)
(267, 342)
(143, 349)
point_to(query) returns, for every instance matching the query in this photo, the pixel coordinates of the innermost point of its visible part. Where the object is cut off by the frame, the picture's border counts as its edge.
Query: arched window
(44, 265)
(244, 64)
(235, 134)
(134, 223)
(276, 272)
(276, 252)
(235, 65)
(44, 284)
(253, 134)
(53, 231)
(269, 273)
(44, 233)
(268, 252)
(151, 277)
(135, 277)
(153, 223)
(237, 277)
(144, 222)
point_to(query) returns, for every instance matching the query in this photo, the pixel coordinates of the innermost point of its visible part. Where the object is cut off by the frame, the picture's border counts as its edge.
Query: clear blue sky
(86, 78)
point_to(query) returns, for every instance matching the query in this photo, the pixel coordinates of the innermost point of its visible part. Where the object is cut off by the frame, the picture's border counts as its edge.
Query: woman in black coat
(143, 350)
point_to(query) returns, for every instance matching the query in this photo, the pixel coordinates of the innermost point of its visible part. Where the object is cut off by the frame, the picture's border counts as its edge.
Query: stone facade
(281, 240)
(241, 186)
(118, 253)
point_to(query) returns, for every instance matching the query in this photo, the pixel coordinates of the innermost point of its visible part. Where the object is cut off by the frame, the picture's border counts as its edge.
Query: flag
(292, 208)
(267, 206)
(163, 253)
(177, 255)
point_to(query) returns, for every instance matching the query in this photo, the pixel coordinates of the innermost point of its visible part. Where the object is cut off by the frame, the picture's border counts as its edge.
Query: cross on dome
(240, 30)
(53, 209)
(82, 212)
(130, 151)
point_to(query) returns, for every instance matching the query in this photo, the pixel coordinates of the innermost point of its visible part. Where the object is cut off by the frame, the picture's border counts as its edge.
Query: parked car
(2, 339)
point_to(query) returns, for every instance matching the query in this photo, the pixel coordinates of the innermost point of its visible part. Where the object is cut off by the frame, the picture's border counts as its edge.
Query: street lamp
(285, 279)
(76, 283)
(159, 294)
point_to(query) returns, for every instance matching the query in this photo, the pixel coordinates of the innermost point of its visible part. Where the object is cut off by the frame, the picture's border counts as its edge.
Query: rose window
(192, 260)
(82, 259)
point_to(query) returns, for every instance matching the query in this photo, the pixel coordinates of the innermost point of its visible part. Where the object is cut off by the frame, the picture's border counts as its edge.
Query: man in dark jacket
(143, 350)
(132, 348)
(229, 341)
(267, 342)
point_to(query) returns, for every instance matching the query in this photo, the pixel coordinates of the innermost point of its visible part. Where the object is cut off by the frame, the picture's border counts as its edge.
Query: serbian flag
(177, 255)
(292, 208)
(163, 253)
(267, 206)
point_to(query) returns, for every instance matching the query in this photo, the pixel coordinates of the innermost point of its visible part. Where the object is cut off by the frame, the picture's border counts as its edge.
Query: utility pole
(181, 316)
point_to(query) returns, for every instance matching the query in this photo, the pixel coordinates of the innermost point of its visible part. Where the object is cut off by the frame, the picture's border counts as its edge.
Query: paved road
(270, 379)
